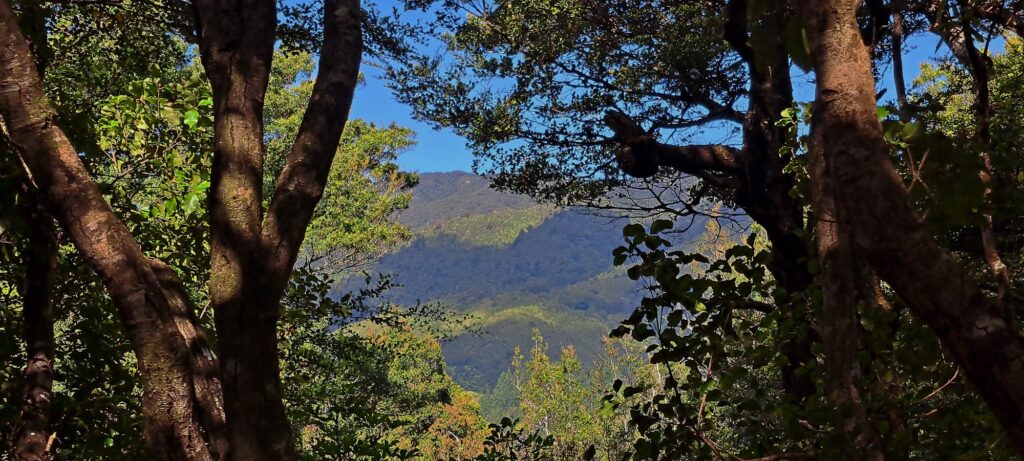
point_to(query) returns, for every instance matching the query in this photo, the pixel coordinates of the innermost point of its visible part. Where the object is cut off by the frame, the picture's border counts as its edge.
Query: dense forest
(731, 230)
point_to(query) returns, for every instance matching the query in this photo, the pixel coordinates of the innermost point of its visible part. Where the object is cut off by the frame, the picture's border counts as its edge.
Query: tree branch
(641, 155)
(301, 182)
(994, 11)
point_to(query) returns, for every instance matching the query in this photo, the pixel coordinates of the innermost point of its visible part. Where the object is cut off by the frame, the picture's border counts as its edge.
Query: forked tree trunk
(172, 429)
(237, 45)
(885, 228)
(251, 255)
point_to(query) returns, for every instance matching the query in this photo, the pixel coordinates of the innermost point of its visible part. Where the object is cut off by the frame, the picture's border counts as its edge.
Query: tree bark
(764, 191)
(236, 40)
(885, 229)
(206, 381)
(31, 441)
(172, 429)
(252, 256)
(842, 290)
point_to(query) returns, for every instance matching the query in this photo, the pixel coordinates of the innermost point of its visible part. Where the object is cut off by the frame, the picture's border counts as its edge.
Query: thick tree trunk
(31, 442)
(878, 210)
(842, 290)
(764, 191)
(237, 46)
(172, 429)
(253, 256)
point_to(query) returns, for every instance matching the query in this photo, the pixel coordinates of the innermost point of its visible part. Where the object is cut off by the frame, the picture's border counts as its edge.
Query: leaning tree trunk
(876, 206)
(169, 403)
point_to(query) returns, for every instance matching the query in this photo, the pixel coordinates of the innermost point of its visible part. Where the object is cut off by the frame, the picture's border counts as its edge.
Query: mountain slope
(512, 264)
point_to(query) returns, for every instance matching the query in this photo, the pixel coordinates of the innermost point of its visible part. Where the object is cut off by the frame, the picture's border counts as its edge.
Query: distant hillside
(515, 266)
(445, 196)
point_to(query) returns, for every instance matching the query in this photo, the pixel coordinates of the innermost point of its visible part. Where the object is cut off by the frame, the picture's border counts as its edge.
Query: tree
(561, 400)
(877, 209)
(620, 64)
(354, 222)
(181, 398)
(611, 67)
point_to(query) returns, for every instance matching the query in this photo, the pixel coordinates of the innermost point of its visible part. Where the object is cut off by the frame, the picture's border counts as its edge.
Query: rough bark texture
(252, 256)
(842, 290)
(206, 380)
(237, 44)
(885, 229)
(31, 442)
(172, 430)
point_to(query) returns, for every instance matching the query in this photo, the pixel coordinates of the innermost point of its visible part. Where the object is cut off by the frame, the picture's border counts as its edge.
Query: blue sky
(442, 150)
(436, 150)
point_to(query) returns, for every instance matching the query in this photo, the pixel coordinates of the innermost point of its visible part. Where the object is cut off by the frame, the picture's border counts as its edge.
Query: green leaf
(191, 203)
(191, 118)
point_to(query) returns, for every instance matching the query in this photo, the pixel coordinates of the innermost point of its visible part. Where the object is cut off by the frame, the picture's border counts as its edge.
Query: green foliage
(497, 229)
(348, 394)
(561, 400)
(947, 185)
(477, 358)
(354, 223)
(527, 83)
(508, 441)
(368, 387)
(720, 393)
(153, 171)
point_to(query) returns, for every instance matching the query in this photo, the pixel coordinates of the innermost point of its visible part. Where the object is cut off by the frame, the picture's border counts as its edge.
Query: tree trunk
(252, 256)
(764, 191)
(31, 441)
(885, 229)
(841, 292)
(172, 429)
(237, 45)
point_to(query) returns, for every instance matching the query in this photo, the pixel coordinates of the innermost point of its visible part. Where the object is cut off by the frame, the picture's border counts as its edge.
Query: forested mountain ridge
(515, 266)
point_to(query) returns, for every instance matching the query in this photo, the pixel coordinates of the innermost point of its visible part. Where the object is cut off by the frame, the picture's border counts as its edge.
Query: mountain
(515, 266)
